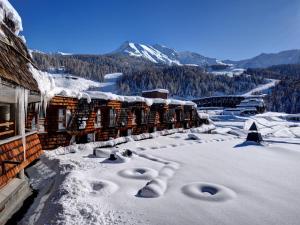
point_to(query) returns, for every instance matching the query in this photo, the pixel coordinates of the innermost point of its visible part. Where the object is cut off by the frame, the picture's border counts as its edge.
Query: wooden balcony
(7, 129)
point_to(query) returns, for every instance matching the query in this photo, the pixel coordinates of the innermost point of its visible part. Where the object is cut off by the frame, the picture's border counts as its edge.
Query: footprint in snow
(103, 187)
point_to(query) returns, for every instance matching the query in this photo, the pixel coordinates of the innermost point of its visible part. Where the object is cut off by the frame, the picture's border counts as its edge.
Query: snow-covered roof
(148, 101)
(157, 90)
(8, 11)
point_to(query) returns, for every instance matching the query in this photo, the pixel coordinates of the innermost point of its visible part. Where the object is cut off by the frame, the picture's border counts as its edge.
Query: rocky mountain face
(164, 55)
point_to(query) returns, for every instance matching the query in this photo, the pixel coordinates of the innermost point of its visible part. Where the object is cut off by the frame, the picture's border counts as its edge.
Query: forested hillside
(284, 97)
(183, 81)
(92, 67)
(186, 81)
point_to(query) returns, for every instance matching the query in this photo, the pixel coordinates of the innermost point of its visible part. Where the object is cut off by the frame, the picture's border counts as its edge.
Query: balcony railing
(7, 129)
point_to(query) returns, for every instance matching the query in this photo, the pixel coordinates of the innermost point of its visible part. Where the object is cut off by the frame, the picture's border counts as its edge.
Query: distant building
(156, 93)
(233, 104)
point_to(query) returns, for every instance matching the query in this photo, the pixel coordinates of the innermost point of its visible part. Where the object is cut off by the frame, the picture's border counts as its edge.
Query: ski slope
(110, 82)
(262, 88)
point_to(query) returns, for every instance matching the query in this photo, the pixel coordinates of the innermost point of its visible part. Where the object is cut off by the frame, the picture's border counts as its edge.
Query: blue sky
(226, 29)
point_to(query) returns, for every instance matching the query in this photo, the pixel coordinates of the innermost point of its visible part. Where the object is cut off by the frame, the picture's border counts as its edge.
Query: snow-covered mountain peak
(162, 54)
(155, 53)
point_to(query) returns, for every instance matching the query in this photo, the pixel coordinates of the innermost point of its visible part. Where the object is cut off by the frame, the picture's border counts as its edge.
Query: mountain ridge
(163, 55)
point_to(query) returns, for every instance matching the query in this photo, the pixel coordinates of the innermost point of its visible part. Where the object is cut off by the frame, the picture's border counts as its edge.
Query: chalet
(19, 95)
(100, 116)
(19, 100)
(156, 93)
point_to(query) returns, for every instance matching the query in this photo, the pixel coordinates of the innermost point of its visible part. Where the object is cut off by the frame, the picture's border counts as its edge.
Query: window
(68, 117)
(123, 117)
(7, 123)
(143, 117)
(133, 118)
(98, 119)
(64, 117)
(171, 115)
(33, 123)
(179, 115)
(112, 117)
(61, 119)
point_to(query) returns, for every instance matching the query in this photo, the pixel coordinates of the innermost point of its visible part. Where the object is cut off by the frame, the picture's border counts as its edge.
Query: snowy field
(110, 82)
(213, 178)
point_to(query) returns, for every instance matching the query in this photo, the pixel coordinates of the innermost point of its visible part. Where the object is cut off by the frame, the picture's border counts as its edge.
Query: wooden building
(156, 93)
(19, 142)
(103, 116)
(241, 103)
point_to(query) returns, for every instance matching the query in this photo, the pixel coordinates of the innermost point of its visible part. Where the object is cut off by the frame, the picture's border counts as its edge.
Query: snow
(230, 72)
(64, 53)
(274, 125)
(263, 87)
(148, 52)
(171, 179)
(65, 81)
(157, 90)
(189, 64)
(6, 9)
(220, 62)
(110, 82)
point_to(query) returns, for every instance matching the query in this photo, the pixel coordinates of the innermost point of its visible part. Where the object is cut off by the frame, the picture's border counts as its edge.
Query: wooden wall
(156, 119)
(58, 102)
(155, 94)
(13, 151)
(54, 140)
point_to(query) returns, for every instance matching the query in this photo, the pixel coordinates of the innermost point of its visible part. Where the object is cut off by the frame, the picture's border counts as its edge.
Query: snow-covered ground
(230, 72)
(182, 178)
(77, 84)
(262, 88)
(110, 82)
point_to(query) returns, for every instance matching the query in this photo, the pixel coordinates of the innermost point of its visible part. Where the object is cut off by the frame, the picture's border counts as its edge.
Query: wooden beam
(6, 124)
(6, 132)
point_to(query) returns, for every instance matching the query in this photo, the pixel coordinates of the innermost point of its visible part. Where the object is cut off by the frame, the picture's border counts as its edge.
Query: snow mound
(203, 129)
(153, 189)
(208, 192)
(139, 173)
(158, 186)
(193, 136)
(221, 130)
(102, 152)
(118, 159)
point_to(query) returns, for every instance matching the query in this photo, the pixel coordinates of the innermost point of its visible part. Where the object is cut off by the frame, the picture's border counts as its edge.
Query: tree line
(186, 81)
(285, 96)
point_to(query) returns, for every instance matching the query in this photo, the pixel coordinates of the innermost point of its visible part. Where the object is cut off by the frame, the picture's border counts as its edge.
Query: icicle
(22, 102)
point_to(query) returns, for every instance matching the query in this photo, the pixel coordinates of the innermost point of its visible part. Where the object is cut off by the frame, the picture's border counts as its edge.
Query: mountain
(265, 60)
(163, 55)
